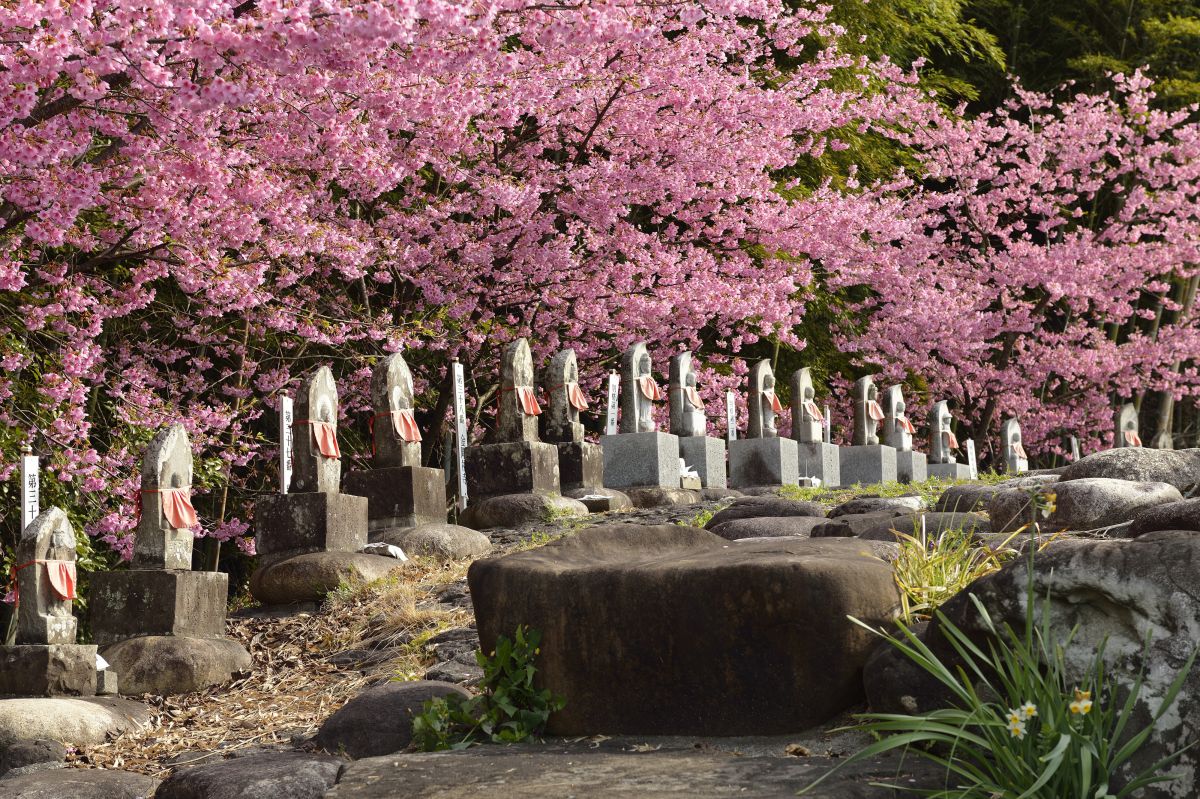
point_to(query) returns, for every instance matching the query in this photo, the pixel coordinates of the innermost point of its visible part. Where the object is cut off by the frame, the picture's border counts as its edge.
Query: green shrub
(508, 709)
(931, 568)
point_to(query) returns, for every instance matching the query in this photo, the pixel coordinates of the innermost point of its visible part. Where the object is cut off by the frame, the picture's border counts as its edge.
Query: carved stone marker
(580, 463)
(46, 661)
(317, 458)
(400, 492)
(868, 461)
(943, 444)
(898, 433)
(164, 532)
(516, 462)
(762, 458)
(700, 451)
(818, 458)
(1014, 450)
(1127, 427)
(639, 455)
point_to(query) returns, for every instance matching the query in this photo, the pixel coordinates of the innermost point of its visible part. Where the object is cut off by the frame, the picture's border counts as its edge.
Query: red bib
(576, 398)
(776, 405)
(906, 425)
(405, 425)
(527, 401)
(951, 440)
(1020, 451)
(1132, 439)
(325, 434)
(177, 508)
(62, 578)
(650, 389)
(874, 411)
(814, 411)
(693, 396)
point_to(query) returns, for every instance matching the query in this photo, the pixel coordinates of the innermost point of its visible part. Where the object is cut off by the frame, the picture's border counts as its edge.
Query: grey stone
(30, 753)
(641, 459)
(167, 465)
(290, 524)
(1180, 468)
(935, 524)
(706, 455)
(853, 524)
(452, 671)
(948, 471)
(911, 467)
(266, 775)
(125, 604)
(378, 721)
(107, 683)
(82, 722)
(519, 510)
(897, 430)
(580, 465)
(657, 497)
(1014, 449)
(717, 494)
(764, 506)
(807, 418)
(513, 424)
(512, 467)
(309, 577)
(867, 465)
(1126, 434)
(870, 504)
(316, 403)
(686, 413)
(560, 423)
(601, 500)
(820, 460)
(763, 462)
(46, 545)
(1028, 481)
(48, 670)
(393, 400)
(399, 496)
(1088, 503)
(867, 415)
(762, 405)
(1183, 515)
(637, 409)
(73, 783)
(168, 664)
(443, 542)
(942, 442)
(768, 527)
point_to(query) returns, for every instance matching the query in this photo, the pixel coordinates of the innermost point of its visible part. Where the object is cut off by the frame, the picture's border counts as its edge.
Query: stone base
(399, 496)
(641, 459)
(949, 471)
(106, 683)
(54, 670)
(580, 465)
(289, 524)
(820, 460)
(125, 604)
(167, 665)
(513, 467)
(309, 577)
(601, 500)
(910, 467)
(706, 455)
(763, 462)
(660, 496)
(874, 463)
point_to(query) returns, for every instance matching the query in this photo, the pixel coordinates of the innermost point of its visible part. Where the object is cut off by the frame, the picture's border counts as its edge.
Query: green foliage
(509, 709)
(932, 567)
(700, 519)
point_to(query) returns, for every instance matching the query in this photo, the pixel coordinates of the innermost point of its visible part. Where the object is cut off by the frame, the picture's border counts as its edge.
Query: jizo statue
(867, 413)
(395, 436)
(45, 571)
(519, 408)
(639, 392)
(164, 532)
(316, 455)
(807, 419)
(762, 403)
(1014, 451)
(942, 442)
(687, 409)
(560, 381)
(897, 429)
(1127, 427)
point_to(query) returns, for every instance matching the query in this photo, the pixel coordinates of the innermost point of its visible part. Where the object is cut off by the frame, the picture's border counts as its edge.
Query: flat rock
(73, 721)
(309, 577)
(31, 754)
(670, 629)
(443, 542)
(965, 498)
(765, 507)
(852, 524)
(519, 510)
(171, 664)
(658, 496)
(601, 500)
(1087, 503)
(1180, 467)
(1027, 481)
(1183, 515)
(378, 721)
(267, 775)
(768, 527)
(713, 494)
(77, 783)
(895, 505)
(935, 523)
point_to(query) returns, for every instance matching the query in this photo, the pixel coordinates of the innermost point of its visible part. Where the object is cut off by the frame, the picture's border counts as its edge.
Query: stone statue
(316, 458)
(687, 409)
(867, 413)
(519, 408)
(897, 429)
(942, 442)
(560, 380)
(164, 532)
(1014, 451)
(394, 432)
(807, 419)
(1127, 427)
(639, 392)
(45, 569)
(762, 403)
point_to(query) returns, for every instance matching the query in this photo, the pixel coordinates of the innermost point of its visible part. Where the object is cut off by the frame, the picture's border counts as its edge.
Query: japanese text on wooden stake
(30, 490)
(286, 418)
(460, 432)
(971, 462)
(610, 417)
(730, 416)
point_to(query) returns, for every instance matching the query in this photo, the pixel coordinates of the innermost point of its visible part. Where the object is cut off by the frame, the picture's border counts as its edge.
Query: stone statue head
(941, 437)
(317, 465)
(687, 411)
(46, 580)
(806, 416)
(897, 429)
(560, 380)
(638, 391)
(519, 408)
(867, 413)
(397, 441)
(762, 403)
(1014, 449)
(1127, 427)
(164, 533)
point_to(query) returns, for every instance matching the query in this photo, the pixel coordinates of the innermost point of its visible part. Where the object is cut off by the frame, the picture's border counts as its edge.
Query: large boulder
(172, 664)
(852, 524)
(440, 541)
(935, 524)
(262, 775)
(661, 496)
(1180, 467)
(669, 629)
(74, 721)
(31, 754)
(1087, 503)
(1183, 515)
(761, 507)
(519, 510)
(768, 527)
(77, 783)
(1114, 593)
(965, 498)
(309, 577)
(869, 504)
(378, 721)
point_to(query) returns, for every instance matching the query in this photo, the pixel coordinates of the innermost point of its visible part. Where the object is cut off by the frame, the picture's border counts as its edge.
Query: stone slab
(512, 467)
(290, 524)
(79, 721)
(874, 463)
(126, 604)
(911, 467)
(399, 496)
(580, 465)
(706, 455)
(172, 664)
(763, 462)
(948, 471)
(54, 670)
(820, 460)
(641, 459)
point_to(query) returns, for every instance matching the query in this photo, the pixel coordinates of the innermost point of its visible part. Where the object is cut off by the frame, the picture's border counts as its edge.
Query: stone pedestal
(54, 670)
(400, 496)
(641, 459)
(127, 604)
(874, 463)
(580, 465)
(763, 462)
(949, 471)
(910, 467)
(290, 524)
(512, 467)
(820, 460)
(706, 455)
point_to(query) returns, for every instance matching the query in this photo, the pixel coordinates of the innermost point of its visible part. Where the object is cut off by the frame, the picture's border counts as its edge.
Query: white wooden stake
(610, 416)
(30, 488)
(460, 431)
(286, 442)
